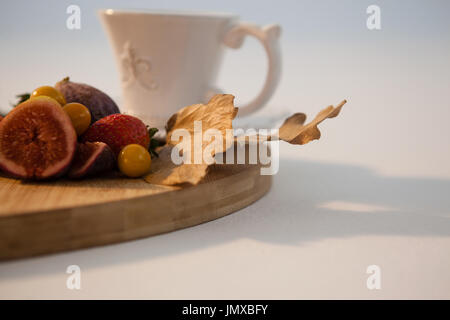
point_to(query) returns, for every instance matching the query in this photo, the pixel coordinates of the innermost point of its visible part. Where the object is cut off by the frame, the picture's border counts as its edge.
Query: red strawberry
(117, 131)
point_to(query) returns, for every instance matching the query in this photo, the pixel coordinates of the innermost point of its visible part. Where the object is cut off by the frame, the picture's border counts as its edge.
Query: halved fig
(92, 158)
(37, 140)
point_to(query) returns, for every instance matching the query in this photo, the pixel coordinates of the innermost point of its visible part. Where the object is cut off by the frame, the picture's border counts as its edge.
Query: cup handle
(269, 37)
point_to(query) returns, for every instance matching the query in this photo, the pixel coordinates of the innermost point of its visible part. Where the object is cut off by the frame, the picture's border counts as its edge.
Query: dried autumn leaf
(165, 172)
(294, 132)
(217, 114)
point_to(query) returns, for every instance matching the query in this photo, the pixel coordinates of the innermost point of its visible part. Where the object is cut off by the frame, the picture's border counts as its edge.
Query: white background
(374, 190)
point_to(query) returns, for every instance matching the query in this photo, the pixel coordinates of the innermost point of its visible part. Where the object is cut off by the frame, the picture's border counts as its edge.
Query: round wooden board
(46, 217)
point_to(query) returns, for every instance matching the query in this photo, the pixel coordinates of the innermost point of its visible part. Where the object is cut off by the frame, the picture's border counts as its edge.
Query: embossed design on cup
(136, 69)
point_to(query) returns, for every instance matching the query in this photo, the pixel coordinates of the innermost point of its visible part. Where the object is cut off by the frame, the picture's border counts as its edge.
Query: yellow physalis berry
(49, 92)
(79, 115)
(134, 160)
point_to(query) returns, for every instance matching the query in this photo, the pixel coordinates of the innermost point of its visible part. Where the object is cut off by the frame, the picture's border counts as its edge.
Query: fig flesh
(92, 158)
(99, 103)
(37, 140)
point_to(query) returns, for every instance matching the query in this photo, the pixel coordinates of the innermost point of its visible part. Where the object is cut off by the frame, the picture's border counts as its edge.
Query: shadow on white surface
(308, 202)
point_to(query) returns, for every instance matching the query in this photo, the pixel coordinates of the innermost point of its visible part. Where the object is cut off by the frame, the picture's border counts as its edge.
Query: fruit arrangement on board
(72, 130)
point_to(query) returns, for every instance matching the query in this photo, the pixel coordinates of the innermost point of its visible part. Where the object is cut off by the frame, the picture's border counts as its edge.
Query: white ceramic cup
(168, 60)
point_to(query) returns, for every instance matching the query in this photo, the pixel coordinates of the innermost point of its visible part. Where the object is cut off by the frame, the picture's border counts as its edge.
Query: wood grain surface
(47, 217)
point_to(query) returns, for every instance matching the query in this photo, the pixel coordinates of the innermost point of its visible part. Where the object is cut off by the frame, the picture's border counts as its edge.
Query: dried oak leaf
(165, 172)
(217, 114)
(294, 132)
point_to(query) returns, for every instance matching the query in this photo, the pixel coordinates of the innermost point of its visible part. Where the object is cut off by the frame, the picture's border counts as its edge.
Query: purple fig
(99, 103)
(92, 158)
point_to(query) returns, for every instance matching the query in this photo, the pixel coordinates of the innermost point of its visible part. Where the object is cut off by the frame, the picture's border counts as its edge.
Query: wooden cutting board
(46, 217)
